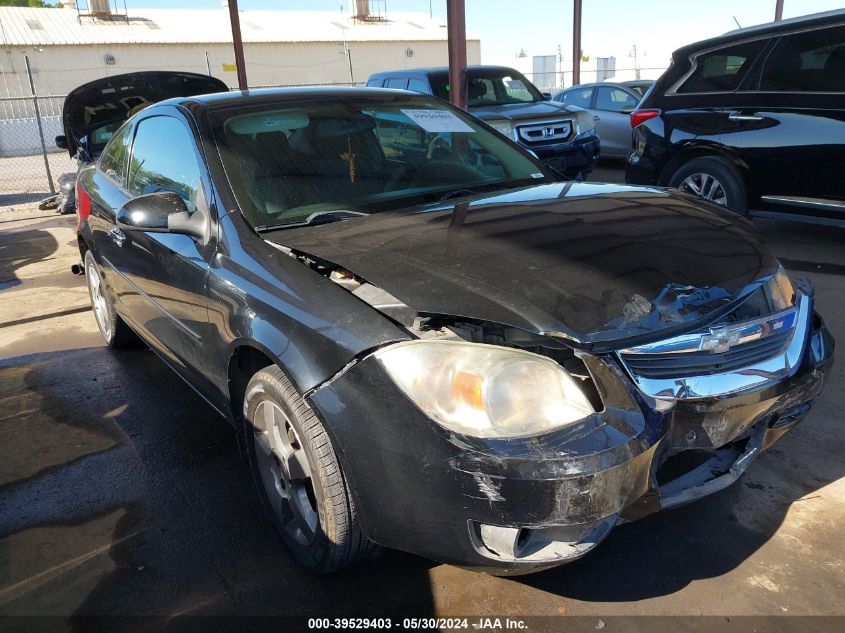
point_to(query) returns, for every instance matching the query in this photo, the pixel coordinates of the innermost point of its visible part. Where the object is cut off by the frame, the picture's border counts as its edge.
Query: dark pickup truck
(564, 137)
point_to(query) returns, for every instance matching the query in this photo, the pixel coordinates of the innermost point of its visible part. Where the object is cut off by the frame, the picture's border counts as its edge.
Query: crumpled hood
(594, 263)
(545, 110)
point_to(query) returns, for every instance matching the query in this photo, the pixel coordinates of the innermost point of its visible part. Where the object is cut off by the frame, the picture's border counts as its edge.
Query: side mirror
(547, 95)
(61, 141)
(162, 212)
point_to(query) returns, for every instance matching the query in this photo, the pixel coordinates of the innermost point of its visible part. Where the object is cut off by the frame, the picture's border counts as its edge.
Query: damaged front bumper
(510, 506)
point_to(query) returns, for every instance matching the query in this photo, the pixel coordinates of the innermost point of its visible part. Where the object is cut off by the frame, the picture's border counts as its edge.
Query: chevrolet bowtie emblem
(719, 341)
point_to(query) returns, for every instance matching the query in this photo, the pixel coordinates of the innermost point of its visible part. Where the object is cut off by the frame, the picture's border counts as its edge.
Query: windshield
(492, 88)
(299, 163)
(99, 136)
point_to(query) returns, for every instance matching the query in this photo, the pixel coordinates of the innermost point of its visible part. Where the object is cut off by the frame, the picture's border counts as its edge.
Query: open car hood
(594, 264)
(116, 98)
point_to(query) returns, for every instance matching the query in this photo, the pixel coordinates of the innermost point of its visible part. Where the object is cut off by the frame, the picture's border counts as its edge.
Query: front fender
(307, 324)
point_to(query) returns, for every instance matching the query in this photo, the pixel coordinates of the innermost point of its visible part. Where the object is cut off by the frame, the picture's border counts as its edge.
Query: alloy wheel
(285, 472)
(705, 186)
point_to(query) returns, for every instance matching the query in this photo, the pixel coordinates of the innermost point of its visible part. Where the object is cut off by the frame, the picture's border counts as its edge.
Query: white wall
(59, 69)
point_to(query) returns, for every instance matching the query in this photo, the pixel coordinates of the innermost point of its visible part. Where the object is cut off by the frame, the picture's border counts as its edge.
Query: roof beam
(238, 43)
(576, 43)
(457, 31)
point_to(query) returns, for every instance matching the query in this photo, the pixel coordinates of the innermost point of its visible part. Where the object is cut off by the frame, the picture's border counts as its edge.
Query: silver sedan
(610, 104)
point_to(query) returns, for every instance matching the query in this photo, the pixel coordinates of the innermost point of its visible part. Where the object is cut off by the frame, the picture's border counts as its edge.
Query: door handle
(596, 117)
(739, 116)
(117, 236)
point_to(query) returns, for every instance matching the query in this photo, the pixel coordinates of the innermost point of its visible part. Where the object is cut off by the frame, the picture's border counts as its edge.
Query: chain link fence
(30, 162)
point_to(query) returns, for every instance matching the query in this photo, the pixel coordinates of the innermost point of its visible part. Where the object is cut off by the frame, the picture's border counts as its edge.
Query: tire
(713, 179)
(114, 330)
(298, 476)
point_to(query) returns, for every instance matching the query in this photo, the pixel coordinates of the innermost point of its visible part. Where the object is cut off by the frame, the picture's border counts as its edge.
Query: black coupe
(424, 340)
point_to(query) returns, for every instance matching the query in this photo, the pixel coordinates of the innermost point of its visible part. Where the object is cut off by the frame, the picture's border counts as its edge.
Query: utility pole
(456, 27)
(778, 10)
(349, 61)
(40, 128)
(636, 62)
(238, 43)
(576, 43)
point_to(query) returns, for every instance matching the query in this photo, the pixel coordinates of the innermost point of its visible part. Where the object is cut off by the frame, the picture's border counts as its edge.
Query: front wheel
(713, 179)
(298, 476)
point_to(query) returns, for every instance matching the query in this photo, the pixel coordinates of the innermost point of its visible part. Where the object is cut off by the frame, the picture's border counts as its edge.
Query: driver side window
(163, 159)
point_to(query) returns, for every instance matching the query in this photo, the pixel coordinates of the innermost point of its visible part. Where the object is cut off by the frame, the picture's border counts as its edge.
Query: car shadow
(124, 494)
(20, 248)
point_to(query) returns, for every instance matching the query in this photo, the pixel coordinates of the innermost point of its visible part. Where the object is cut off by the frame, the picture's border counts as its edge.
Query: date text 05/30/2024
(480, 624)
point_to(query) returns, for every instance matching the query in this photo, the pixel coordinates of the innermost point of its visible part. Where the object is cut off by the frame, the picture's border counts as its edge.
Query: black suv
(753, 120)
(562, 136)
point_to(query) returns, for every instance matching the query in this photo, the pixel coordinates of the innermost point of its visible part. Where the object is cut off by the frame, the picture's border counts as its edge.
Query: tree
(31, 3)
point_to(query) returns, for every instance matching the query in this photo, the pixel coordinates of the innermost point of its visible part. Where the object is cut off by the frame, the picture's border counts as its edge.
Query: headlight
(505, 127)
(586, 125)
(781, 290)
(485, 390)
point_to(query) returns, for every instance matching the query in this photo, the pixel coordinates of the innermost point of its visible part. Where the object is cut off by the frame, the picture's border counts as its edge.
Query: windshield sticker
(515, 84)
(536, 174)
(437, 121)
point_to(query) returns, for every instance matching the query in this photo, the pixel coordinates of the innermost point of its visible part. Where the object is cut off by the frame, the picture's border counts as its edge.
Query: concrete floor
(123, 493)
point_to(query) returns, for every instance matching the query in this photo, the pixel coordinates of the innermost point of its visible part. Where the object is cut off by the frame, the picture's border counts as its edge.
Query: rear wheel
(298, 476)
(713, 179)
(114, 329)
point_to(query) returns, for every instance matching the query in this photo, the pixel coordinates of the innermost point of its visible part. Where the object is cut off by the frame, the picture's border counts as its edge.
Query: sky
(539, 27)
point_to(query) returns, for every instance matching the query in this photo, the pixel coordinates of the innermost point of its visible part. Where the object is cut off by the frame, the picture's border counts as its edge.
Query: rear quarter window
(812, 61)
(418, 85)
(723, 69)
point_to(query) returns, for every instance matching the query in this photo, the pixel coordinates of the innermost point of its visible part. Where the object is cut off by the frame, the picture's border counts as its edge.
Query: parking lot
(122, 493)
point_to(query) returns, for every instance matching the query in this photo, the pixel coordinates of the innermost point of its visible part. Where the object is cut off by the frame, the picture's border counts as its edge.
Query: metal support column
(778, 10)
(576, 43)
(238, 43)
(40, 127)
(456, 27)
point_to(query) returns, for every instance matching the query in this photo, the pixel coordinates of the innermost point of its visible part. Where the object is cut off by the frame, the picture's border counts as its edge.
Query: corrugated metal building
(281, 47)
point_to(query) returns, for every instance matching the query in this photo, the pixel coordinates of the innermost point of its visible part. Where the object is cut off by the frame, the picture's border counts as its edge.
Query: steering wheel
(438, 148)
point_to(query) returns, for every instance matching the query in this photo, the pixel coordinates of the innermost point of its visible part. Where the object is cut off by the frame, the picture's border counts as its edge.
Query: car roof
(770, 28)
(222, 100)
(441, 70)
(612, 84)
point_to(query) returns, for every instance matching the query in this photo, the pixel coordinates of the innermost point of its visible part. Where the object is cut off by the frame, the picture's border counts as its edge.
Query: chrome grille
(544, 132)
(725, 359)
(704, 363)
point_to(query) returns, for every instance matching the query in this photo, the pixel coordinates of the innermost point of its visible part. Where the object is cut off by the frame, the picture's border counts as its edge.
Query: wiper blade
(494, 187)
(458, 193)
(318, 217)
